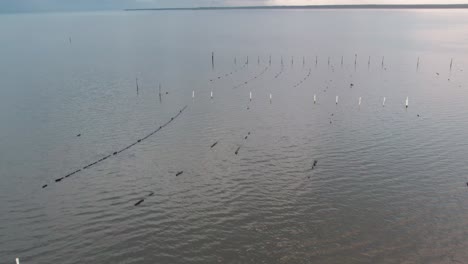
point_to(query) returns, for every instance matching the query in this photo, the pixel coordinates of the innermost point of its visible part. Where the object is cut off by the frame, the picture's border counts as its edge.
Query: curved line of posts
(280, 72)
(230, 73)
(253, 78)
(304, 79)
(119, 151)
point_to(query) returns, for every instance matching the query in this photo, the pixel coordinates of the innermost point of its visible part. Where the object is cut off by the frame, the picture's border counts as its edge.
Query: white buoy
(17, 260)
(211, 95)
(359, 100)
(406, 102)
(383, 103)
(193, 94)
(315, 98)
(250, 96)
(336, 99)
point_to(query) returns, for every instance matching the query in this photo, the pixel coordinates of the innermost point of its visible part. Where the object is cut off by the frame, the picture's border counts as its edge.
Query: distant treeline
(436, 6)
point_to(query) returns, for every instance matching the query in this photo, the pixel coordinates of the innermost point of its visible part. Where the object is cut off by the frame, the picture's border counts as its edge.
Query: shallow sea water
(389, 186)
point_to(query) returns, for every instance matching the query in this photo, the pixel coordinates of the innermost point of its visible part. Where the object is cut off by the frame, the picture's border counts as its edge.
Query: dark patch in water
(237, 150)
(139, 202)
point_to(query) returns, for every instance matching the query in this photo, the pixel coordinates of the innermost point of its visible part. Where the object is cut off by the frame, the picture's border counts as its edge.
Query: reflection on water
(253, 170)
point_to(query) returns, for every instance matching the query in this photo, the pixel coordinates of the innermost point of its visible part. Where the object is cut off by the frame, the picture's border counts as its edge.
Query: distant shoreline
(436, 6)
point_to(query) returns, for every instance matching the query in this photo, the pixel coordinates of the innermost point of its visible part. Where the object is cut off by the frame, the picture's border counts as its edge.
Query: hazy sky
(54, 5)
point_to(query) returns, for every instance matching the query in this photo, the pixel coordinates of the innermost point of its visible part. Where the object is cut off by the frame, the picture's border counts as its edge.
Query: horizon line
(359, 6)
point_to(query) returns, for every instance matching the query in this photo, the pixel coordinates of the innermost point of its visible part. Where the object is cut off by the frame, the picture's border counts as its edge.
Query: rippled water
(389, 185)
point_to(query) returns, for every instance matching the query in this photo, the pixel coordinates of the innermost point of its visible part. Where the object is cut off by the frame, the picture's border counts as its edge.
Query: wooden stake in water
(69, 39)
(247, 62)
(336, 100)
(136, 82)
(303, 61)
(417, 64)
(451, 62)
(250, 96)
(328, 60)
(315, 98)
(406, 102)
(383, 58)
(316, 60)
(193, 94)
(269, 61)
(292, 60)
(359, 100)
(212, 60)
(341, 61)
(368, 63)
(211, 94)
(383, 103)
(281, 60)
(270, 97)
(355, 60)
(258, 60)
(235, 61)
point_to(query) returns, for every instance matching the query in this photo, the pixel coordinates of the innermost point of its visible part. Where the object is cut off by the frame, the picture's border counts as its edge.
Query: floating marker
(383, 103)
(316, 60)
(250, 96)
(270, 98)
(336, 99)
(359, 100)
(211, 95)
(269, 62)
(258, 60)
(281, 60)
(247, 60)
(17, 261)
(341, 61)
(451, 62)
(368, 63)
(355, 60)
(193, 94)
(315, 98)
(417, 64)
(328, 61)
(235, 61)
(406, 102)
(292, 60)
(303, 61)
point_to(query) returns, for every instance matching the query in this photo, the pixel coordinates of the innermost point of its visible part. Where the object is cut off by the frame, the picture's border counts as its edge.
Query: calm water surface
(389, 185)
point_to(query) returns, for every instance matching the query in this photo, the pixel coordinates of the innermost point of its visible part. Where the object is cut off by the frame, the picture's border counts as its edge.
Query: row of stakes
(315, 98)
(316, 61)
